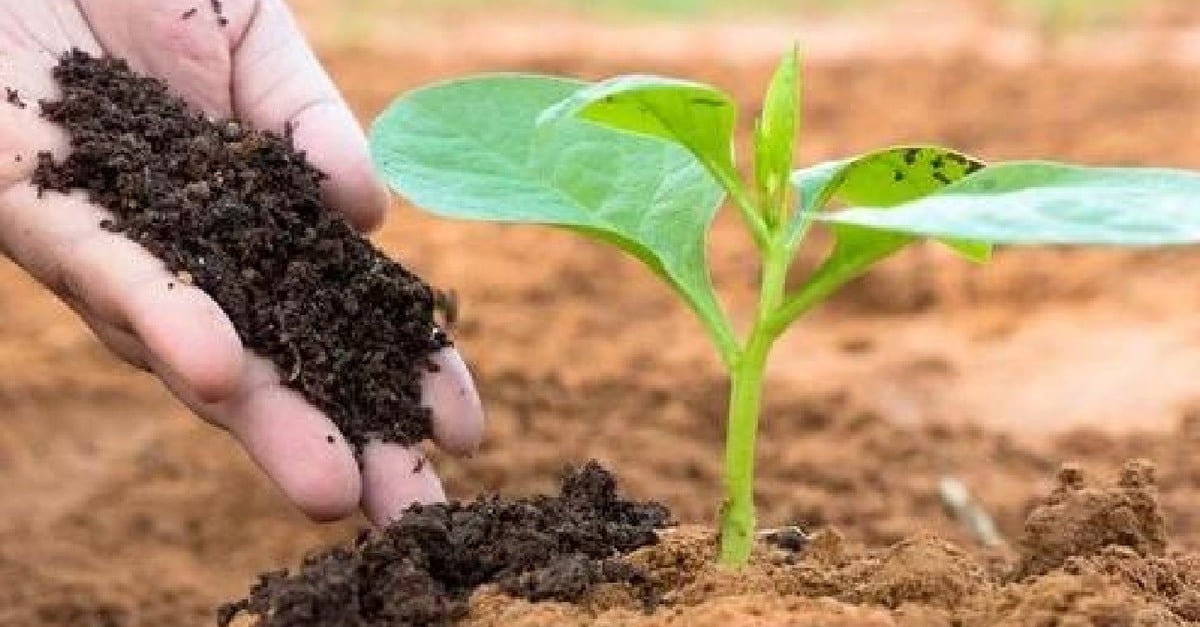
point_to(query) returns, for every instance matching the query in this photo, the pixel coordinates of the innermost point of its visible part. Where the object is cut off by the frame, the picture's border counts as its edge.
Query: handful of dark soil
(239, 212)
(422, 568)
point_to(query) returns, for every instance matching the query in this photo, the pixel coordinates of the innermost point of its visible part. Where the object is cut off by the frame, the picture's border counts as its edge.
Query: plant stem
(811, 294)
(825, 281)
(745, 397)
(745, 401)
(752, 216)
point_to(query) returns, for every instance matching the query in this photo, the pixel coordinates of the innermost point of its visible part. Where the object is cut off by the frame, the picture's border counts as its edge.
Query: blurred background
(1009, 29)
(118, 508)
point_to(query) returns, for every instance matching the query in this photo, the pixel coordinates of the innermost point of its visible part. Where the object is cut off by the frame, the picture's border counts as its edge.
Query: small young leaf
(1049, 203)
(470, 149)
(697, 116)
(775, 138)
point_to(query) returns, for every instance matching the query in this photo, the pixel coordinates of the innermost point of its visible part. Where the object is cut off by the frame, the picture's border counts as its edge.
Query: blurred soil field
(119, 508)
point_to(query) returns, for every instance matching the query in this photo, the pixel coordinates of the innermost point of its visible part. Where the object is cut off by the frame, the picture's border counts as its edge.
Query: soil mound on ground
(1116, 569)
(239, 212)
(420, 570)
(1077, 520)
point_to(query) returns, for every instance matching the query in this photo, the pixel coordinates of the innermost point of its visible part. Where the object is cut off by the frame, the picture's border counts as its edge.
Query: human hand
(256, 67)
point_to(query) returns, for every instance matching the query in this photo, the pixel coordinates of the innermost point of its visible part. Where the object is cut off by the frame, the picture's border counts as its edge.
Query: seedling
(644, 163)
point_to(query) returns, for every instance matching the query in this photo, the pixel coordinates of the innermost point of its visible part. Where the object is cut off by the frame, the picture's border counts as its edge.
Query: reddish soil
(118, 508)
(1089, 555)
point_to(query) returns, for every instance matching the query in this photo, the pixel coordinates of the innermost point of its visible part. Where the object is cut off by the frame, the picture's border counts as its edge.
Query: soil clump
(239, 213)
(421, 569)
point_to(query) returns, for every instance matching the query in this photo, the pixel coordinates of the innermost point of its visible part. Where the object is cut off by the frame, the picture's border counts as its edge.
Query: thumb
(277, 83)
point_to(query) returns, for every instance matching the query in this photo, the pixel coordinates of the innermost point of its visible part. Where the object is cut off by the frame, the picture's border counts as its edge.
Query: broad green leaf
(470, 149)
(885, 178)
(775, 137)
(1049, 203)
(694, 115)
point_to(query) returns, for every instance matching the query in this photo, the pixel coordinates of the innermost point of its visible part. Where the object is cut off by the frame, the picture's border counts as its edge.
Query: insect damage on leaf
(1048, 203)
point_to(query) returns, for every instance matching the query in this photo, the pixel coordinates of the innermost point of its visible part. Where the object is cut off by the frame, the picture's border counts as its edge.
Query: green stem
(828, 279)
(745, 401)
(745, 398)
(747, 208)
(810, 295)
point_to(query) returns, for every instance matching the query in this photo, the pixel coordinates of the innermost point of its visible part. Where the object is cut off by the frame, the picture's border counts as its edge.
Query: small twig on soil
(957, 498)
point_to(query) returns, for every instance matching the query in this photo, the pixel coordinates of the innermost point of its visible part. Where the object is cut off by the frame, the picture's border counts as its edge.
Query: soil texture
(239, 212)
(1110, 576)
(421, 569)
(1090, 553)
(117, 507)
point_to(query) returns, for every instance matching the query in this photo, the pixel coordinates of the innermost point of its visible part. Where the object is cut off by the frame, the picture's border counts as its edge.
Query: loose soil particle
(13, 97)
(238, 212)
(219, 11)
(421, 569)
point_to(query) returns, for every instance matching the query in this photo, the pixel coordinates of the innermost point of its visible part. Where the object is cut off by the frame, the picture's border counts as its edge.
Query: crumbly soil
(1111, 576)
(239, 213)
(119, 508)
(1089, 554)
(421, 569)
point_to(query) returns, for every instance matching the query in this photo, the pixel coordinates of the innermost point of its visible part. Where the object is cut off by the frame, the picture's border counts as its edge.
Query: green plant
(644, 163)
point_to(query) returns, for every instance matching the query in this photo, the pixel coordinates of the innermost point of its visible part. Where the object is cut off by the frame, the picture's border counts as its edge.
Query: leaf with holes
(884, 178)
(1048, 203)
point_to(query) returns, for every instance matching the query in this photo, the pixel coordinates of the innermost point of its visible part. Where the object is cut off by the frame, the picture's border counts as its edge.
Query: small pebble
(788, 538)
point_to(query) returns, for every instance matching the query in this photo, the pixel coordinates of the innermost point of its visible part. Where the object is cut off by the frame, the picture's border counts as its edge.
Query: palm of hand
(256, 67)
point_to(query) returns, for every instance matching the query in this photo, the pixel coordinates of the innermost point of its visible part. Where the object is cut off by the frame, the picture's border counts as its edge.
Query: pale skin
(256, 67)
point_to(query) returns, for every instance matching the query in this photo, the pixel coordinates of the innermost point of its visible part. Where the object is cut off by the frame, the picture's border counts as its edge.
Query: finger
(294, 444)
(191, 54)
(278, 82)
(122, 343)
(58, 240)
(457, 410)
(394, 478)
(313, 475)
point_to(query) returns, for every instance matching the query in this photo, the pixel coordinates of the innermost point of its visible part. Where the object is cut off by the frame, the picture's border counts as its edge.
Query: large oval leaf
(471, 149)
(1049, 203)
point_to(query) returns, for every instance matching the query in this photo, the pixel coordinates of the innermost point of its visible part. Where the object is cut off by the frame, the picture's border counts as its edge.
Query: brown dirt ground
(117, 508)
